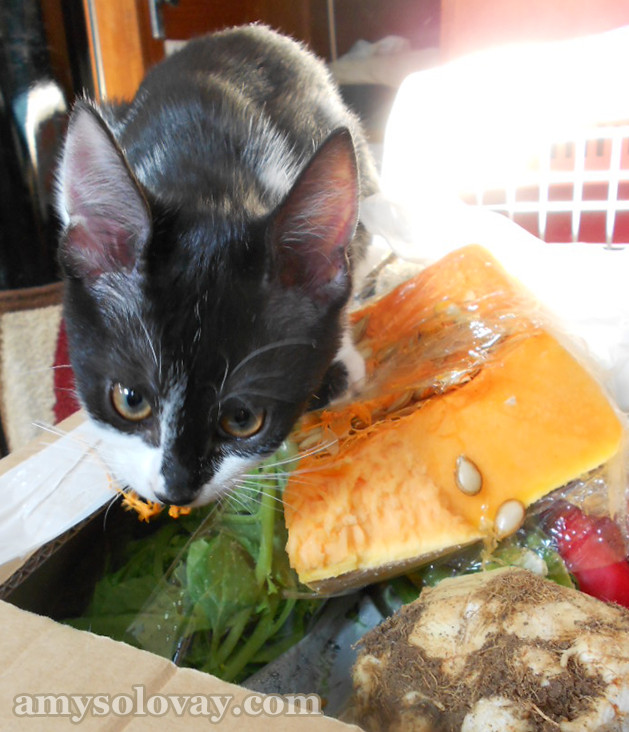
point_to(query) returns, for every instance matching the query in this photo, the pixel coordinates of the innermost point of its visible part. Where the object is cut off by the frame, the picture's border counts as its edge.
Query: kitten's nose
(179, 488)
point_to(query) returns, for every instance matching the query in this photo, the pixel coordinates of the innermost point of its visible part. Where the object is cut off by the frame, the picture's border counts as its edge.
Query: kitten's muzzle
(180, 487)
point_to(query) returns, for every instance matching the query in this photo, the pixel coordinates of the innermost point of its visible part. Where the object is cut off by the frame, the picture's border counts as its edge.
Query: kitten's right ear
(105, 213)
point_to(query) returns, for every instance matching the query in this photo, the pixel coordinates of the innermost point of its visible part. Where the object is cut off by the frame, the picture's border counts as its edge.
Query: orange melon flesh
(528, 415)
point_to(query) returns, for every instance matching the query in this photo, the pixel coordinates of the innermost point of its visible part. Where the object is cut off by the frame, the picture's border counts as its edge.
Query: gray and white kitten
(210, 234)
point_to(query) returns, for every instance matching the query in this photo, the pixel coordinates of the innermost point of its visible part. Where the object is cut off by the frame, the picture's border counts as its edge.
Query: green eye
(242, 422)
(130, 403)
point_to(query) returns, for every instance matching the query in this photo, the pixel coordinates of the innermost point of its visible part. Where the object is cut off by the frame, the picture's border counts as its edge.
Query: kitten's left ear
(106, 214)
(313, 227)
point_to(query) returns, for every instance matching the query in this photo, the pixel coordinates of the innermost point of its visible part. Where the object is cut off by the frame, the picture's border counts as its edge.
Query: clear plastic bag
(212, 590)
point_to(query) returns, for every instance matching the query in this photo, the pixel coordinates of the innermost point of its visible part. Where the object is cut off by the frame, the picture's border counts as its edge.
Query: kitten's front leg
(344, 377)
(353, 362)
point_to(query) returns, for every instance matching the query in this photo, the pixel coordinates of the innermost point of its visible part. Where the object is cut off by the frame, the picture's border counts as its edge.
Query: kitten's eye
(130, 403)
(242, 422)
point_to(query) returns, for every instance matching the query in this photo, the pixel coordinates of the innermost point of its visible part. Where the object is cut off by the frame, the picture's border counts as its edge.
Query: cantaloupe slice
(459, 369)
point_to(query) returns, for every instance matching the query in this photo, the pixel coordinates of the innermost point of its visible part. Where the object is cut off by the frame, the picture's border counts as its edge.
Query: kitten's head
(198, 337)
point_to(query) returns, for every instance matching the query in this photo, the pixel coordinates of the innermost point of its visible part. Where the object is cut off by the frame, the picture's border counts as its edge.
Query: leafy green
(213, 590)
(529, 548)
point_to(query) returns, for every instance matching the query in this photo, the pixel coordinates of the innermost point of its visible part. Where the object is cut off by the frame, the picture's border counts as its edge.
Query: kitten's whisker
(45, 369)
(52, 429)
(280, 500)
(79, 447)
(250, 392)
(149, 340)
(295, 480)
(307, 471)
(278, 506)
(234, 500)
(222, 386)
(263, 478)
(110, 504)
(113, 464)
(95, 450)
(284, 461)
(306, 453)
(270, 347)
(261, 377)
(74, 443)
(254, 486)
(70, 449)
(255, 481)
(109, 456)
(254, 489)
(68, 390)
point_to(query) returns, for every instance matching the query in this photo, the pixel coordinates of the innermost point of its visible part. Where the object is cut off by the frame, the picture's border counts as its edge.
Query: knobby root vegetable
(498, 651)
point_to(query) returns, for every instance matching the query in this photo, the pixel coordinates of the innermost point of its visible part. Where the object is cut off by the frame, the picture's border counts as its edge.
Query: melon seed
(467, 476)
(509, 518)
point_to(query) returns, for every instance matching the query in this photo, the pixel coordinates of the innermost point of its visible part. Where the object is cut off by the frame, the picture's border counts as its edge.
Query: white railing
(586, 175)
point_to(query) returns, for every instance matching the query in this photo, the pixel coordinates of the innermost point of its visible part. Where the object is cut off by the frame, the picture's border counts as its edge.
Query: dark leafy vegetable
(212, 590)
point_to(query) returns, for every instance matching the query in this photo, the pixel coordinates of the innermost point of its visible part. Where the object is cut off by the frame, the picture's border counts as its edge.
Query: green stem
(266, 515)
(266, 628)
(253, 644)
(228, 645)
(214, 641)
(286, 611)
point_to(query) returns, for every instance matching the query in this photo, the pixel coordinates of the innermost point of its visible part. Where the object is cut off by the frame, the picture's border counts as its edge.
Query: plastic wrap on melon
(466, 376)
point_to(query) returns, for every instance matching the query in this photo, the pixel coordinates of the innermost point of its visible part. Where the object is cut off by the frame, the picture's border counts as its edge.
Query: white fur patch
(172, 412)
(352, 360)
(232, 467)
(133, 462)
(275, 163)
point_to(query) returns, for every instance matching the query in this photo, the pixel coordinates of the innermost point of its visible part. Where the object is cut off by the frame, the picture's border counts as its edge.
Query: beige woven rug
(29, 328)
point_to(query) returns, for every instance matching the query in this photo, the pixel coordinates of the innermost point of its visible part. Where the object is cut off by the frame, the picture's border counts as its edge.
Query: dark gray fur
(208, 258)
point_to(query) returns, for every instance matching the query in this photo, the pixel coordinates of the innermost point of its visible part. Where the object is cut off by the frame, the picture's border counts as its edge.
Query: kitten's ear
(313, 227)
(106, 215)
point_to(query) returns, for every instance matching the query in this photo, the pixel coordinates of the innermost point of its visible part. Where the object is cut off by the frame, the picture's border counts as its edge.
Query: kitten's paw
(343, 379)
(334, 385)
(354, 364)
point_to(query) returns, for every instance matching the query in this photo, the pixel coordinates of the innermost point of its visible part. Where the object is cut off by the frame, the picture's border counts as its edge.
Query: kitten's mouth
(192, 500)
(209, 492)
(148, 509)
(194, 503)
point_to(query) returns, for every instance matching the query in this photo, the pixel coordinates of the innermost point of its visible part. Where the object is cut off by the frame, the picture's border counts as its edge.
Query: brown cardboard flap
(40, 658)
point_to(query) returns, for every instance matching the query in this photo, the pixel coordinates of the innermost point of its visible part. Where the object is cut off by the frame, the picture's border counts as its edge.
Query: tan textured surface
(29, 326)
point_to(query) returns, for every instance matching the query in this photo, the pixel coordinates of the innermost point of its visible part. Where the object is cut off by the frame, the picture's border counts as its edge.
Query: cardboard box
(55, 677)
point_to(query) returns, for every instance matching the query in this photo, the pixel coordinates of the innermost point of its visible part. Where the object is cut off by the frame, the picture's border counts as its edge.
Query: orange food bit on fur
(177, 511)
(147, 510)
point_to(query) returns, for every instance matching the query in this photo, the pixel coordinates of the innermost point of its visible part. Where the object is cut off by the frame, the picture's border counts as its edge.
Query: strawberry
(593, 549)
